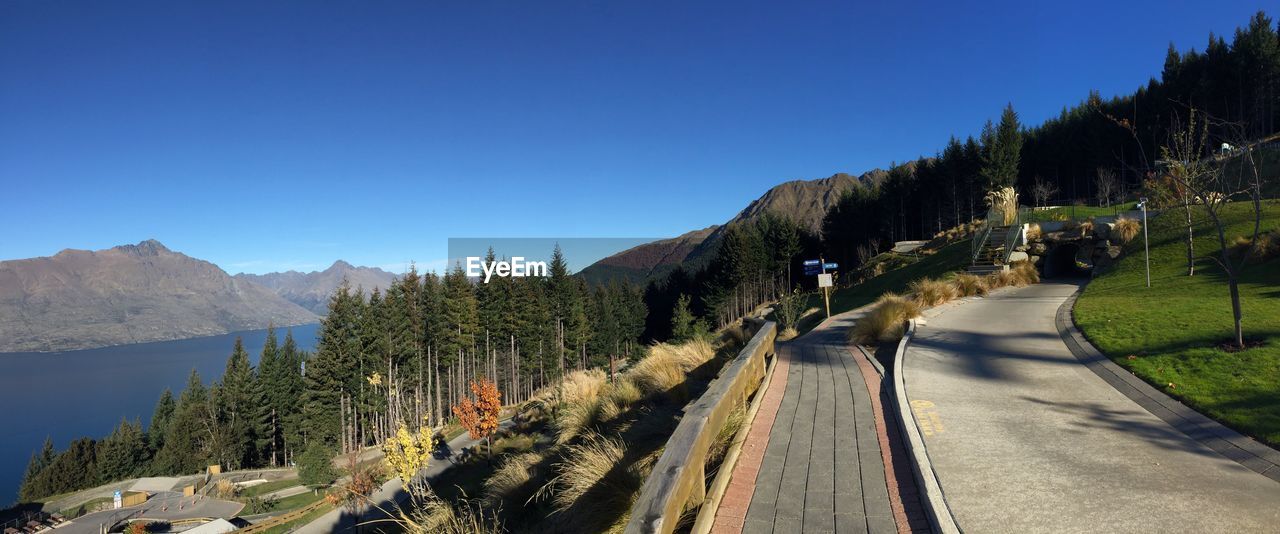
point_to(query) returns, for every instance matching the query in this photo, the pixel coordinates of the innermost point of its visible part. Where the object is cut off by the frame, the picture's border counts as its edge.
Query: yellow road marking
(927, 417)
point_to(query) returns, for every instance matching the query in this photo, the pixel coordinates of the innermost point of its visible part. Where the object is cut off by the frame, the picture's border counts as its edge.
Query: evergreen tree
(290, 390)
(236, 411)
(123, 454)
(1001, 151)
(187, 438)
(268, 400)
(160, 418)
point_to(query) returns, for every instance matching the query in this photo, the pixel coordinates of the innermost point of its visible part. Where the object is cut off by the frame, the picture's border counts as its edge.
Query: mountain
(644, 262)
(80, 299)
(312, 290)
(805, 201)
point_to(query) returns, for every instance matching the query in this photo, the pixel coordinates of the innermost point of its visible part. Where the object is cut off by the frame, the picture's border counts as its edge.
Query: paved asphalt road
(163, 505)
(391, 493)
(1025, 438)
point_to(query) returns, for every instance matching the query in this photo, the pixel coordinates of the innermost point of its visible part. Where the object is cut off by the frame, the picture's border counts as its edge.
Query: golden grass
(1125, 229)
(885, 321)
(582, 386)
(667, 365)
(433, 515)
(1085, 227)
(225, 489)
(588, 468)
(516, 471)
(970, 285)
(1004, 200)
(1025, 273)
(930, 293)
(1033, 232)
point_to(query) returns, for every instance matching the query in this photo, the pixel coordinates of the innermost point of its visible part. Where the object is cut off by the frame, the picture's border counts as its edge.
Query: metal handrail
(1012, 235)
(980, 236)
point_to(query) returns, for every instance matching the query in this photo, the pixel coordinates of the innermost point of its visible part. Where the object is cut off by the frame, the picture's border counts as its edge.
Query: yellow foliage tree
(405, 454)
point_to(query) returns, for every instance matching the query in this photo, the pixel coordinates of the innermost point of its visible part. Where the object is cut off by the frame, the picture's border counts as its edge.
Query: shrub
(1266, 245)
(315, 466)
(931, 293)
(969, 285)
(790, 306)
(1125, 229)
(885, 321)
(433, 515)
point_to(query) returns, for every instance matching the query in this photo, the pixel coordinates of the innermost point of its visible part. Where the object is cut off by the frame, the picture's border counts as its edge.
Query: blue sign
(811, 271)
(811, 263)
(832, 265)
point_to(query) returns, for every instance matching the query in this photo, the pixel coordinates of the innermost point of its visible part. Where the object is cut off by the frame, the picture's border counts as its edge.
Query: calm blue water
(66, 395)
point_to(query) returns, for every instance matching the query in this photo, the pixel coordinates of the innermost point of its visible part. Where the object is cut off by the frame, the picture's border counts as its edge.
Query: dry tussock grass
(667, 365)
(1025, 273)
(970, 285)
(1085, 227)
(1125, 229)
(930, 293)
(885, 322)
(516, 471)
(1034, 232)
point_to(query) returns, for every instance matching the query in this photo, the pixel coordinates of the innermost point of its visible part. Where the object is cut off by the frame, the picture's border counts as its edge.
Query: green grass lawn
(1173, 330)
(947, 260)
(267, 487)
(1078, 212)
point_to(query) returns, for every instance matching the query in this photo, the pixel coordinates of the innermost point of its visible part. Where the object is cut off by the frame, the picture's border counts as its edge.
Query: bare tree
(1207, 182)
(1043, 191)
(1105, 185)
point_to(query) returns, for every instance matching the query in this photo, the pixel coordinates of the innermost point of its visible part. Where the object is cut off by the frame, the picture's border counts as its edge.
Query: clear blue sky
(274, 135)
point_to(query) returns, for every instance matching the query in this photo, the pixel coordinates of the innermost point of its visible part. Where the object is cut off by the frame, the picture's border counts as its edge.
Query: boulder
(1102, 230)
(1018, 256)
(1038, 249)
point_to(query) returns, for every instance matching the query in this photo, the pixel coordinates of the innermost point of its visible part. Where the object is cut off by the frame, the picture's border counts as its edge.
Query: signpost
(819, 268)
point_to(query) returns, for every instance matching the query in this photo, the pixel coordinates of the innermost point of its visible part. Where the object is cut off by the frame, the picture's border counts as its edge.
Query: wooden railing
(284, 518)
(678, 479)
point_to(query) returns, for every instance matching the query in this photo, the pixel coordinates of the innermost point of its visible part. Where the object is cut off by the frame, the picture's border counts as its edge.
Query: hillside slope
(312, 290)
(128, 294)
(804, 201)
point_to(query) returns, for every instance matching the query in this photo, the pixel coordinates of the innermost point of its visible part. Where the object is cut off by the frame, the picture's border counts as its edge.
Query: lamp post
(1146, 246)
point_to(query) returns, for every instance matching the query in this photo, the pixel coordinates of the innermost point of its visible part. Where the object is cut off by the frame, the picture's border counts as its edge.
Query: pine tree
(290, 389)
(122, 454)
(160, 418)
(236, 411)
(1001, 151)
(268, 401)
(187, 437)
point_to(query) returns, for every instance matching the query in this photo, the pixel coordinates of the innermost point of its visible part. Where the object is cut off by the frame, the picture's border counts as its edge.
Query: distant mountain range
(804, 201)
(312, 290)
(80, 299)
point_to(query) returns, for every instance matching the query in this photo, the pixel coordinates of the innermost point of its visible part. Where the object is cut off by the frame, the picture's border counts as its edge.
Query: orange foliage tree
(480, 417)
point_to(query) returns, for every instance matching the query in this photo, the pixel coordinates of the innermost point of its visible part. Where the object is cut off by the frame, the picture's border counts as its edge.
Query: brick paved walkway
(822, 468)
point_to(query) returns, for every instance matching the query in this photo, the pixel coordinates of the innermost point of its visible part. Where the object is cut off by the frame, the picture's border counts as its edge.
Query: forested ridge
(1093, 152)
(382, 360)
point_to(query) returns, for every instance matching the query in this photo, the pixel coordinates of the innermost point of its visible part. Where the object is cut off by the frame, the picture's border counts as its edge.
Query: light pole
(1146, 246)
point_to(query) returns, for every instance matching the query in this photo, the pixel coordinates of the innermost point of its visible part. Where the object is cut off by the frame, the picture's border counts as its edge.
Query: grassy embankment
(1171, 334)
(899, 270)
(579, 452)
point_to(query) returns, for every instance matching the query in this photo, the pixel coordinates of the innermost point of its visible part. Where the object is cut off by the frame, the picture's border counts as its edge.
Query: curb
(935, 502)
(1234, 446)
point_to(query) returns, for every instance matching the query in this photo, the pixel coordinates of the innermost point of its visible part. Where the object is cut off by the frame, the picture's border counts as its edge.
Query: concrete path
(1025, 438)
(822, 469)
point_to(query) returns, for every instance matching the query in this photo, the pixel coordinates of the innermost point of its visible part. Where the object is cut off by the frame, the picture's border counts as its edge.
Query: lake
(67, 395)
